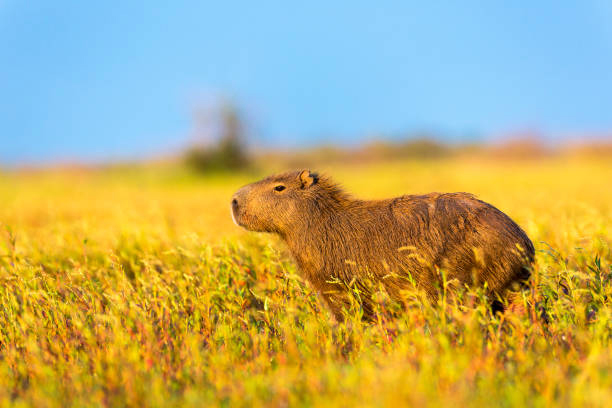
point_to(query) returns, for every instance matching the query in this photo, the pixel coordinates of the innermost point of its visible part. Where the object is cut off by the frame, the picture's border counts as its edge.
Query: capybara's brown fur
(339, 241)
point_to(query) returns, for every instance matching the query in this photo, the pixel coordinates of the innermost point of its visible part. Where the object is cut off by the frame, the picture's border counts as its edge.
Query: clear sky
(94, 80)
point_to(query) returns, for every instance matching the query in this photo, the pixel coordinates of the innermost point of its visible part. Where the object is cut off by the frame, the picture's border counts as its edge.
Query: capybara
(340, 242)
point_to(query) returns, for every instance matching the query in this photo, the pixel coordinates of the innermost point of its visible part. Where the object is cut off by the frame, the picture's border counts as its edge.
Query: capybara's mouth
(245, 220)
(242, 219)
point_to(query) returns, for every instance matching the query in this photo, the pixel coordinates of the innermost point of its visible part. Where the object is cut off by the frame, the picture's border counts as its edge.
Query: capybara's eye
(279, 188)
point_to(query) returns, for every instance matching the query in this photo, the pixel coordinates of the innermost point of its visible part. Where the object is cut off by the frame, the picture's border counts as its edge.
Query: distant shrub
(228, 155)
(423, 147)
(418, 147)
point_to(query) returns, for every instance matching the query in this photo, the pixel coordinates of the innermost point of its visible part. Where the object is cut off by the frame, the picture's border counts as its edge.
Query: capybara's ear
(307, 178)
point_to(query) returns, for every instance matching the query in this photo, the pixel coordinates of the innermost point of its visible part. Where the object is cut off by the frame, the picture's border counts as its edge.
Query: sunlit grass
(134, 287)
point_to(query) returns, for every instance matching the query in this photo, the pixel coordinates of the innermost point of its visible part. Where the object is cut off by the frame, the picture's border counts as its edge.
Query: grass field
(133, 286)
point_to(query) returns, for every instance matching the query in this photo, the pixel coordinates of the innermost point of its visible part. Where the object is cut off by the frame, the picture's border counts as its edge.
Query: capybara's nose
(239, 198)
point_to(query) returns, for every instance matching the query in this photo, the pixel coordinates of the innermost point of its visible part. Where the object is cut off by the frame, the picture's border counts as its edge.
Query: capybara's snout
(238, 205)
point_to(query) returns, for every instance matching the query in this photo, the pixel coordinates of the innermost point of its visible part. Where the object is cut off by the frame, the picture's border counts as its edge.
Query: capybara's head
(277, 203)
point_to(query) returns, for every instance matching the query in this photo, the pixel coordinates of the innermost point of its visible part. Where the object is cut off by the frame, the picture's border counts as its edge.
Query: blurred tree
(220, 140)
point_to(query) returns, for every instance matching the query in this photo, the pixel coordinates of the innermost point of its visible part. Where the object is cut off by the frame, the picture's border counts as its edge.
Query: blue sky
(97, 80)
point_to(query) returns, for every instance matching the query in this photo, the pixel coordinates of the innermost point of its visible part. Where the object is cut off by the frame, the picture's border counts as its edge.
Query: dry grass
(134, 287)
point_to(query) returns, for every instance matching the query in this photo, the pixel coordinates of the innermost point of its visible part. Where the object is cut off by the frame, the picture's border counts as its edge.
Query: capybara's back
(341, 242)
(457, 234)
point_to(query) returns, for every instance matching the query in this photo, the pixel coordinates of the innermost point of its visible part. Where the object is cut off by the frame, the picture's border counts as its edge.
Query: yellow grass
(133, 286)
